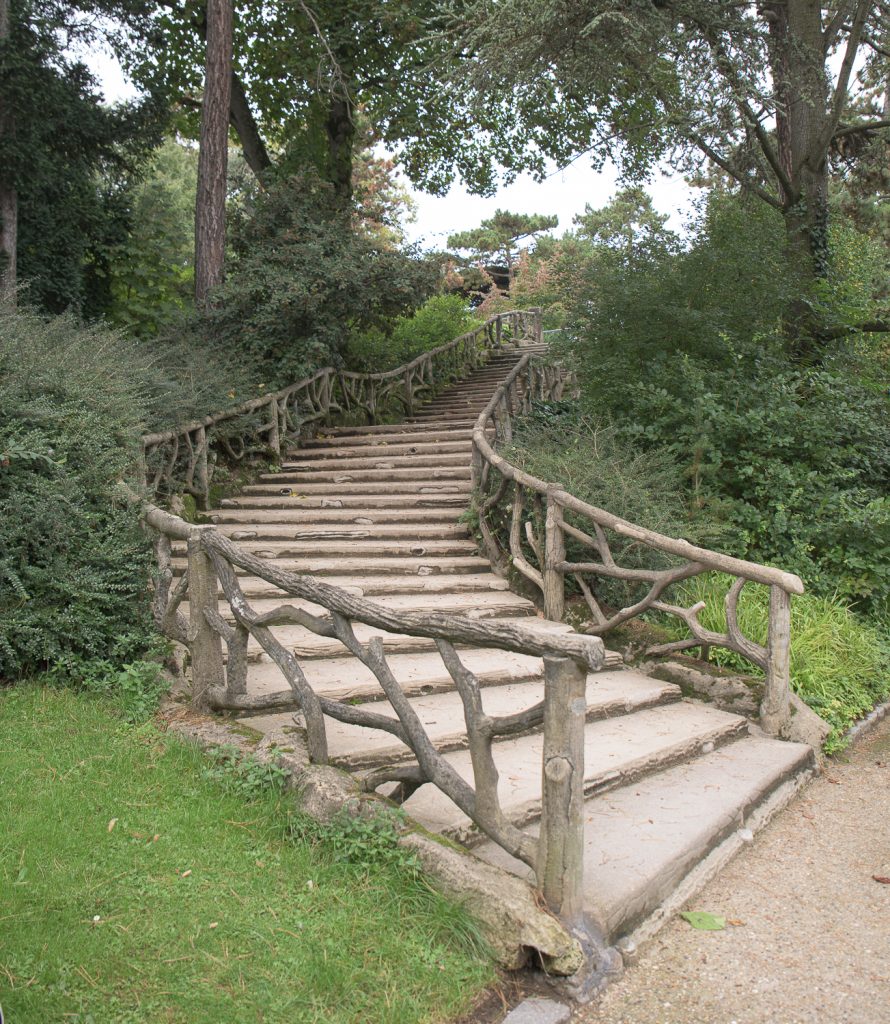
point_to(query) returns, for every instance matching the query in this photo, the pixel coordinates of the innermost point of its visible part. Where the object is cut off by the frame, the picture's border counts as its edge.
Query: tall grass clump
(593, 462)
(840, 664)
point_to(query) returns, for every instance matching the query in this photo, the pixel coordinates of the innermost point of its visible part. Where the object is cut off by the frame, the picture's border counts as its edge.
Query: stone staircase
(673, 786)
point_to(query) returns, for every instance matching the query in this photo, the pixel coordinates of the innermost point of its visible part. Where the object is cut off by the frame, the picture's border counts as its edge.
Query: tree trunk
(210, 204)
(8, 196)
(244, 123)
(802, 91)
(340, 129)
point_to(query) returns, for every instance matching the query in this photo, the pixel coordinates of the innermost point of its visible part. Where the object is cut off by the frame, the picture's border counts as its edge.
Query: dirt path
(811, 942)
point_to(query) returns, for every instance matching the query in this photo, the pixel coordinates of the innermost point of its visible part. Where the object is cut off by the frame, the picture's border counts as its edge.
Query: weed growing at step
(136, 888)
(243, 774)
(132, 691)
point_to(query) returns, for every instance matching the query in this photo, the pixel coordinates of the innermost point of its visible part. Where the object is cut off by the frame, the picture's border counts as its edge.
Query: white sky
(564, 192)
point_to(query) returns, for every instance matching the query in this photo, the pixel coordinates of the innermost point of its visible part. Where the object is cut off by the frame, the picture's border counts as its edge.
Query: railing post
(497, 331)
(538, 330)
(775, 706)
(205, 645)
(554, 554)
(274, 428)
(561, 844)
(409, 394)
(202, 470)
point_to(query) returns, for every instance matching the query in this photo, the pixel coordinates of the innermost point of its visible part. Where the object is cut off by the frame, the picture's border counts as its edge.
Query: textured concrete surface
(539, 1011)
(808, 933)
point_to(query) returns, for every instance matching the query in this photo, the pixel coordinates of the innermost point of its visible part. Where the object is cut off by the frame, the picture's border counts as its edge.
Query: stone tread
(642, 840)
(615, 751)
(408, 565)
(371, 586)
(354, 747)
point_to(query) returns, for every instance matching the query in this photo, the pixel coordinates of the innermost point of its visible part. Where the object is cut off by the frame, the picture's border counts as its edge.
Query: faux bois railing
(184, 458)
(220, 683)
(219, 615)
(515, 509)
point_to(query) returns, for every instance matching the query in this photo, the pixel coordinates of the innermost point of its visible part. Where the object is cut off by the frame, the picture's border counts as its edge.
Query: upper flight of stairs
(380, 510)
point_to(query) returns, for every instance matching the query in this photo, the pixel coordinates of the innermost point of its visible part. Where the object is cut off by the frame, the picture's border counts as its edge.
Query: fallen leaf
(735, 922)
(704, 921)
(214, 924)
(185, 874)
(112, 823)
(883, 879)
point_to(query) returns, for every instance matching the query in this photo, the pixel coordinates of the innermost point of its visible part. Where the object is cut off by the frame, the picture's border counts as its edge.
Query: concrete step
(356, 748)
(616, 751)
(335, 547)
(306, 645)
(343, 531)
(417, 483)
(312, 516)
(419, 673)
(377, 460)
(422, 567)
(410, 435)
(478, 604)
(663, 837)
(378, 450)
(373, 586)
(333, 475)
(396, 430)
(356, 503)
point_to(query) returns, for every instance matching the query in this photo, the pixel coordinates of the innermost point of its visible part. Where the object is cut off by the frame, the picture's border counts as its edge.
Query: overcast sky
(564, 192)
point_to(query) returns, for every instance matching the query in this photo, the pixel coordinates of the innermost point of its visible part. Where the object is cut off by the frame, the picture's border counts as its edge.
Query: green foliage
(143, 860)
(439, 320)
(73, 559)
(69, 156)
(595, 463)
(499, 235)
(681, 348)
(301, 279)
(133, 690)
(152, 269)
(840, 665)
(243, 774)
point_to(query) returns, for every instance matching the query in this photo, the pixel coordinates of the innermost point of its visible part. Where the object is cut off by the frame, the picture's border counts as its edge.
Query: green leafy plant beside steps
(840, 664)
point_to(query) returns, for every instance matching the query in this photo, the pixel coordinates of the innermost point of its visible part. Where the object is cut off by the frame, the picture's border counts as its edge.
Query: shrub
(592, 461)
(301, 278)
(439, 320)
(74, 562)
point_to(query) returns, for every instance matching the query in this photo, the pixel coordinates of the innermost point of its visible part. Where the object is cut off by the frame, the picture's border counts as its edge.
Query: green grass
(197, 905)
(840, 664)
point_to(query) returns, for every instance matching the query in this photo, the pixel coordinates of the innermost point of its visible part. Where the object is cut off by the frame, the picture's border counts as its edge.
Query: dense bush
(73, 560)
(301, 279)
(681, 347)
(438, 320)
(595, 463)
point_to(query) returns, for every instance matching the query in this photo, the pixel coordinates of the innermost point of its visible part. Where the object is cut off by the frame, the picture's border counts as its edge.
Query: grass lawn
(194, 905)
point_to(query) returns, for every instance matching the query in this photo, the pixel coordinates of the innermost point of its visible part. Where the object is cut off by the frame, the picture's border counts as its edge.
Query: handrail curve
(510, 495)
(183, 457)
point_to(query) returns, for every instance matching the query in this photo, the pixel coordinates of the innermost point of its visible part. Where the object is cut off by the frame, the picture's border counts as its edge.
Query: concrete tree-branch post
(205, 645)
(561, 843)
(775, 708)
(554, 556)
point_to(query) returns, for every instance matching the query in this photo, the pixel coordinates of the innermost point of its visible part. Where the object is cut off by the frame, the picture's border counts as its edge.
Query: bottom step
(651, 839)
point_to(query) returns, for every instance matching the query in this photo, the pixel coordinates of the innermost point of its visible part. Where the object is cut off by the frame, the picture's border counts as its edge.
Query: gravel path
(809, 941)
